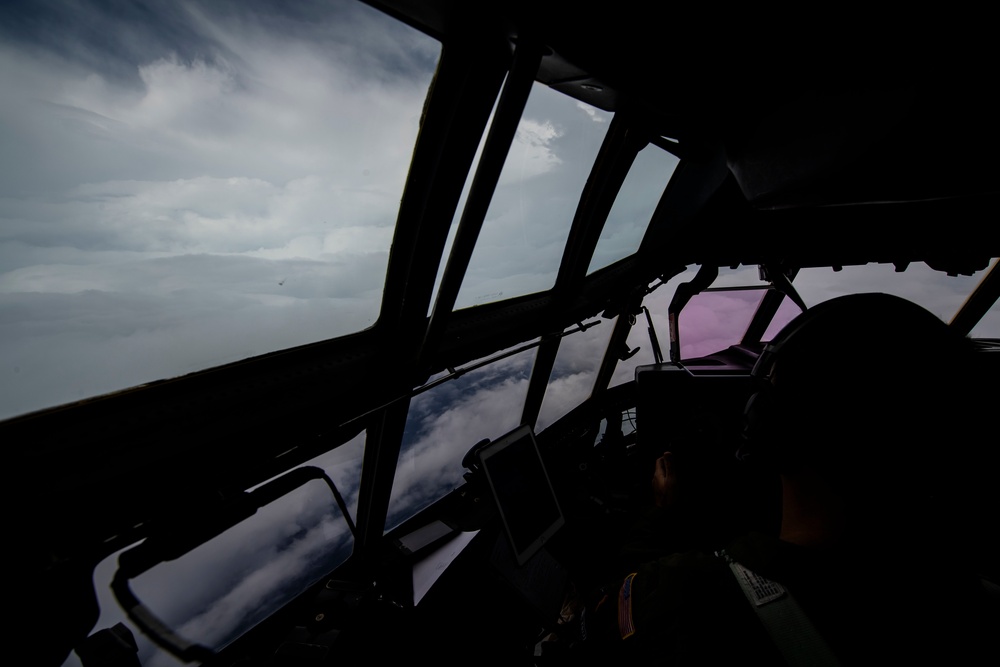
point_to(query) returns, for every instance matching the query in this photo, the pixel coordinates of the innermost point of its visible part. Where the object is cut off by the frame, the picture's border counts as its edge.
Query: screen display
(522, 490)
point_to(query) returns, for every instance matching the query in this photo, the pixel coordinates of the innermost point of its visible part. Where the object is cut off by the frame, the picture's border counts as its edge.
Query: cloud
(531, 153)
(713, 321)
(343, 465)
(187, 185)
(529, 218)
(445, 422)
(562, 394)
(292, 111)
(634, 205)
(130, 339)
(273, 577)
(574, 372)
(259, 564)
(593, 113)
(206, 215)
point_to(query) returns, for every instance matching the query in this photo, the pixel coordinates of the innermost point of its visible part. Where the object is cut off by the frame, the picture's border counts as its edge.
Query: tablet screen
(523, 493)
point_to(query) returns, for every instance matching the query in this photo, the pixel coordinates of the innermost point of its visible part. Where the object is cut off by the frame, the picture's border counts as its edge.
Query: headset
(834, 337)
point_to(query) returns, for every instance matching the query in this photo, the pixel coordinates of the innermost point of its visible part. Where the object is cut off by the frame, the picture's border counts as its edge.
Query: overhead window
(634, 206)
(528, 221)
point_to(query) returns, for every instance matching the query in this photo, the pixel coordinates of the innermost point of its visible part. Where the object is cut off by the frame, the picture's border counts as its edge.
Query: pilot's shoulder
(687, 608)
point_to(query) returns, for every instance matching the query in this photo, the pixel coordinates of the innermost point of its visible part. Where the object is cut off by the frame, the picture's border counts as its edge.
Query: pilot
(858, 410)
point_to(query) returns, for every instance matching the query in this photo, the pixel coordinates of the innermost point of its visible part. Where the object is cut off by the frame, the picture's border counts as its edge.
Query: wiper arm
(653, 341)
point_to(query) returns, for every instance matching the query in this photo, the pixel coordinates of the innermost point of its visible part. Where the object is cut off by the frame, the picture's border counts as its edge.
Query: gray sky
(184, 187)
(528, 221)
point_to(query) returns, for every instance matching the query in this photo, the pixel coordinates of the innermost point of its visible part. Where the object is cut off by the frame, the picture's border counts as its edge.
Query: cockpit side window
(942, 295)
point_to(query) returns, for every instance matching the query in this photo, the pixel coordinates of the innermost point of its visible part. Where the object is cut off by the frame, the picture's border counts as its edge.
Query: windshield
(941, 294)
(190, 185)
(444, 422)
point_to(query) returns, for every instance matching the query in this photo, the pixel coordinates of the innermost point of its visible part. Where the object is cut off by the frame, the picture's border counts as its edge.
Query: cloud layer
(190, 185)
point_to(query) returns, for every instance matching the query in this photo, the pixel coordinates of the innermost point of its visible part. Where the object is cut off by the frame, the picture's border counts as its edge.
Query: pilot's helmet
(855, 385)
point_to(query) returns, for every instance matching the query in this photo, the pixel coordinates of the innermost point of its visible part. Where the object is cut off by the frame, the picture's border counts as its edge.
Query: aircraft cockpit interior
(370, 330)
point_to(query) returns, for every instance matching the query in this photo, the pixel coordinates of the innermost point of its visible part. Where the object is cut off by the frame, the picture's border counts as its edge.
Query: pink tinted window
(786, 313)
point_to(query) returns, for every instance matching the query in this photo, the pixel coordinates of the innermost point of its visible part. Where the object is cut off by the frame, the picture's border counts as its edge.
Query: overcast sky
(188, 184)
(185, 185)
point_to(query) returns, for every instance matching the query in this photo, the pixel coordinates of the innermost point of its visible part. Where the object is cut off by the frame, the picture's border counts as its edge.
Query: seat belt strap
(789, 627)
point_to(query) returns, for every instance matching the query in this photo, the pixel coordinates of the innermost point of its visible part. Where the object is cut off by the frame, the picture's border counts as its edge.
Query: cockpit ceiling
(809, 111)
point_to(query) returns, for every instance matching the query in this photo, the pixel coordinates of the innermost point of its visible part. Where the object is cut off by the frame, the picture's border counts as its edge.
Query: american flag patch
(625, 625)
